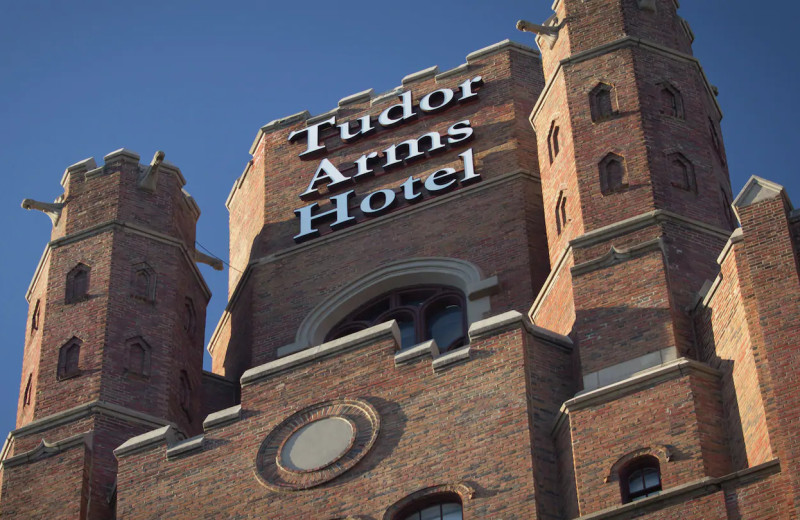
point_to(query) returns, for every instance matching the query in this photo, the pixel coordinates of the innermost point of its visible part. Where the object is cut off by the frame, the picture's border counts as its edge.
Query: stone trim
(46, 449)
(359, 97)
(506, 44)
(736, 237)
(37, 273)
(651, 218)
(662, 452)
(616, 256)
(185, 446)
(167, 435)
(702, 487)
(464, 491)
(453, 357)
(626, 369)
(639, 381)
(709, 288)
(457, 273)
(548, 284)
(222, 418)
(79, 167)
(513, 319)
(623, 43)
(455, 71)
(351, 341)
(758, 189)
(85, 410)
(276, 124)
(421, 75)
(424, 349)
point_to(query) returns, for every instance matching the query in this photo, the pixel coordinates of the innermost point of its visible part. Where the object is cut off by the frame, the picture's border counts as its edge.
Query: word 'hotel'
(521, 288)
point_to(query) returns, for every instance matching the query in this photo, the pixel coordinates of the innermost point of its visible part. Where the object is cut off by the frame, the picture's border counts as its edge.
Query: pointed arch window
(69, 359)
(77, 284)
(185, 394)
(715, 140)
(670, 100)
(613, 174)
(143, 282)
(436, 511)
(422, 313)
(138, 357)
(26, 399)
(189, 316)
(682, 174)
(602, 101)
(553, 143)
(640, 478)
(561, 212)
(35, 316)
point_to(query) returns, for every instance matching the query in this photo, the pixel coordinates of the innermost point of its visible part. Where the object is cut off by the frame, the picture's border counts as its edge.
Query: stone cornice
(46, 449)
(549, 282)
(616, 256)
(124, 226)
(623, 43)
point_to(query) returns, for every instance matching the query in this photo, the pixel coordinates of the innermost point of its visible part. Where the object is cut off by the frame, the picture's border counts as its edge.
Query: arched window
(553, 145)
(138, 360)
(670, 101)
(35, 317)
(613, 174)
(682, 172)
(189, 316)
(26, 399)
(77, 284)
(450, 510)
(601, 102)
(69, 359)
(640, 478)
(143, 282)
(561, 212)
(422, 313)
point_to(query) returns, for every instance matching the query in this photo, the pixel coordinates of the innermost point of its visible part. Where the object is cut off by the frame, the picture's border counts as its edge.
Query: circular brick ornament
(317, 444)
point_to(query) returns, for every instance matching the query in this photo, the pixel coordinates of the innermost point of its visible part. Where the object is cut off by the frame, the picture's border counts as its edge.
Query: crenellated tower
(637, 200)
(114, 341)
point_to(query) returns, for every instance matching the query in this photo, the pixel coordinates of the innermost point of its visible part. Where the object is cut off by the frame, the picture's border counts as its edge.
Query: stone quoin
(598, 329)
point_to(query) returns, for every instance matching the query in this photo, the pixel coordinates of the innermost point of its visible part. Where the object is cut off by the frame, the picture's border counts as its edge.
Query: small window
(440, 511)
(185, 395)
(189, 316)
(35, 317)
(561, 212)
(682, 172)
(553, 145)
(601, 102)
(715, 140)
(26, 399)
(670, 101)
(138, 360)
(77, 284)
(143, 282)
(69, 359)
(613, 174)
(641, 478)
(422, 313)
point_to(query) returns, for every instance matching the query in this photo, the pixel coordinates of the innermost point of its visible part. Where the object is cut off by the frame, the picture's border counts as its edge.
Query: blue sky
(197, 80)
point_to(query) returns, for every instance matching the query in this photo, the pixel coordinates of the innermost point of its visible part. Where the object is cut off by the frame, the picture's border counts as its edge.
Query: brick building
(519, 288)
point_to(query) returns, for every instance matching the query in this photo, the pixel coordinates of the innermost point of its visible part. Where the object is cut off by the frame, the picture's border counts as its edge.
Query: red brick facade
(619, 319)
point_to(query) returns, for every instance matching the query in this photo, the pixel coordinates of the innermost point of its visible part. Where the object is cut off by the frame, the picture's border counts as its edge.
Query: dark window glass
(448, 511)
(641, 479)
(77, 284)
(422, 313)
(69, 359)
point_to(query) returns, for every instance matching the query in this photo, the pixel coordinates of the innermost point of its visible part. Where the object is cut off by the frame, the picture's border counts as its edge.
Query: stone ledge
(222, 417)
(499, 47)
(167, 435)
(185, 446)
(424, 349)
(45, 449)
(513, 319)
(453, 357)
(275, 124)
(351, 341)
(626, 369)
(421, 75)
(359, 97)
(698, 488)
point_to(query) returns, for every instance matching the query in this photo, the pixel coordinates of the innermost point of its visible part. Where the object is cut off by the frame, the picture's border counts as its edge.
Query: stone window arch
(670, 101)
(561, 211)
(143, 282)
(432, 501)
(458, 274)
(553, 141)
(77, 288)
(422, 313)
(613, 174)
(603, 102)
(137, 359)
(69, 359)
(681, 172)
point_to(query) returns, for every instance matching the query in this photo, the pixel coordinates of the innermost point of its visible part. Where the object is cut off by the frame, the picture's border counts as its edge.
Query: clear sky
(198, 79)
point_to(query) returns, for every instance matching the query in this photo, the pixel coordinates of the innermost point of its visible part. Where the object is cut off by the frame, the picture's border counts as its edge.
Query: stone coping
(222, 417)
(45, 449)
(702, 487)
(451, 358)
(639, 381)
(167, 435)
(512, 319)
(185, 446)
(424, 349)
(349, 342)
